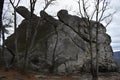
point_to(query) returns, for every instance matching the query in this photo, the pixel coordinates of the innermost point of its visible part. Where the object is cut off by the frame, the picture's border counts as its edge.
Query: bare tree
(15, 29)
(99, 14)
(47, 4)
(28, 34)
(29, 46)
(52, 67)
(2, 31)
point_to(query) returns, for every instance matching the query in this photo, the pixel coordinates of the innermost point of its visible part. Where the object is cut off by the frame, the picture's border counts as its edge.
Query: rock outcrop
(61, 44)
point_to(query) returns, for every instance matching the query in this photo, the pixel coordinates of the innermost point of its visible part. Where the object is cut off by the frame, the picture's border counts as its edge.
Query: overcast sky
(113, 29)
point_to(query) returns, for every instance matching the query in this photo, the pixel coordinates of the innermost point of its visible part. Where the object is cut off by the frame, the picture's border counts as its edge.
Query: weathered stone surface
(26, 12)
(71, 35)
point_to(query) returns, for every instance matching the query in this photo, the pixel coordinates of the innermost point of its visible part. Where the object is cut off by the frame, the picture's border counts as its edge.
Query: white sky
(113, 29)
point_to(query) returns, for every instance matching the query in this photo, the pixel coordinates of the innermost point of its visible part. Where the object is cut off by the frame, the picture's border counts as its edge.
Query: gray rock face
(62, 44)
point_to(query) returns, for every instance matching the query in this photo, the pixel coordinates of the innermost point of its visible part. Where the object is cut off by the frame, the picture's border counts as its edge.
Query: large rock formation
(62, 44)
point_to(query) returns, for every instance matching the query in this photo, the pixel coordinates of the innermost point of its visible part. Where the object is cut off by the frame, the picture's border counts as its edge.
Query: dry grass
(16, 75)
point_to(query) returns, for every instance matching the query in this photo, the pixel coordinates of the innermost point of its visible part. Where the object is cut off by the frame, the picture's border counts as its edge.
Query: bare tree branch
(12, 3)
(47, 3)
(108, 22)
(85, 9)
(104, 8)
(107, 16)
(79, 3)
(18, 3)
(93, 14)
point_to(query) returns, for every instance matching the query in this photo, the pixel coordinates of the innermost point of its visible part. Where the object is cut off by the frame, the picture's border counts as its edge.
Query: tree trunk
(1, 27)
(2, 31)
(16, 39)
(28, 35)
(1, 11)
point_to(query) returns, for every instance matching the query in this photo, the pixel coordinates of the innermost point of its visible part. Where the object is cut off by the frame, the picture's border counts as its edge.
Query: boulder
(61, 44)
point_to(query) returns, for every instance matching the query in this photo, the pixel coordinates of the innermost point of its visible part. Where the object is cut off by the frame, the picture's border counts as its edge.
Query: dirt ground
(16, 75)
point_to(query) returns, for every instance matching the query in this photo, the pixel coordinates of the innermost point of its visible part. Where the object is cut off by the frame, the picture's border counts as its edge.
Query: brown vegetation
(17, 75)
